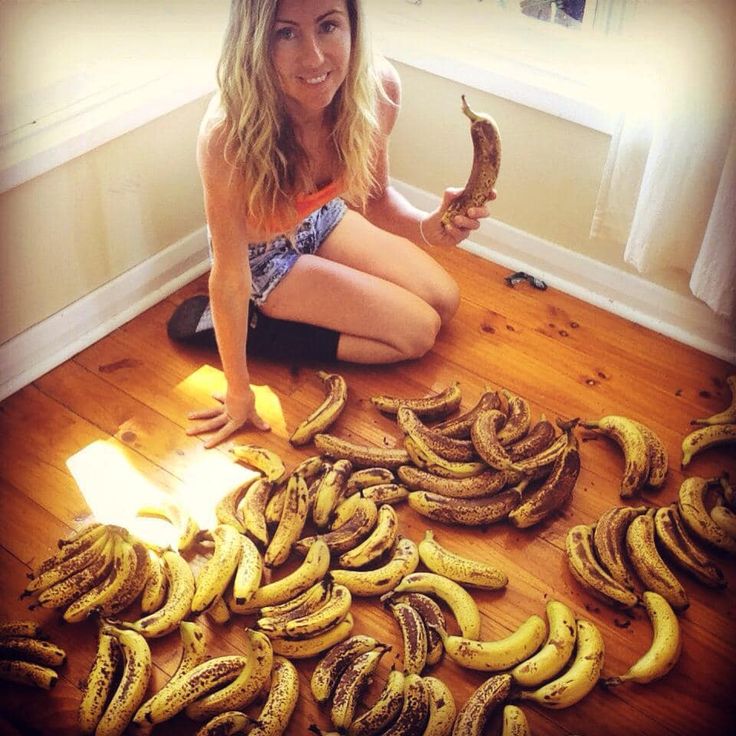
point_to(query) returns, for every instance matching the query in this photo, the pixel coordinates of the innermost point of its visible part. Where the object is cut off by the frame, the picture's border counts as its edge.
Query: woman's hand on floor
(234, 411)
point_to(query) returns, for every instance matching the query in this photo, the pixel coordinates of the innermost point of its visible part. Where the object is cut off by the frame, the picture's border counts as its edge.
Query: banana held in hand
(665, 647)
(325, 415)
(486, 164)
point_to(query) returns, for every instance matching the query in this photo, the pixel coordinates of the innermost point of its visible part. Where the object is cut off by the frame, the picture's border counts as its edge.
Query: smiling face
(310, 52)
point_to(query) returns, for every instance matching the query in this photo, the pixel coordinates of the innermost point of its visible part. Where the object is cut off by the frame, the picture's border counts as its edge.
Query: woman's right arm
(229, 289)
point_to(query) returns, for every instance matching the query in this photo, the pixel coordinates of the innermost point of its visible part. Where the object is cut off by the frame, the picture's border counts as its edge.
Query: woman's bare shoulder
(390, 101)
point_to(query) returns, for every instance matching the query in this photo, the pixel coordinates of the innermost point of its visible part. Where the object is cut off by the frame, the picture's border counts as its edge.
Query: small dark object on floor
(514, 279)
(182, 325)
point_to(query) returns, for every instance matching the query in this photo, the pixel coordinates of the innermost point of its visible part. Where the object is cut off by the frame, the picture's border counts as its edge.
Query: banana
(314, 645)
(442, 708)
(361, 456)
(728, 415)
(328, 615)
(556, 651)
(580, 678)
(461, 569)
(179, 692)
(172, 512)
(262, 459)
(554, 492)
(275, 504)
(539, 438)
(218, 612)
(423, 457)
(310, 468)
(98, 685)
(312, 569)
(330, 489)
(30, 649)
(193, 648)
(724, 518)
(384, 711)
(413, 637)
(675, 539)
(243, 690)
(274, 618)
(219, 568)
(132, 587)
(85, 535)
(347, 535)
(414, 713)
(446, 448)
(131, 689)
(432, 617)
(658, 456)
(515, 722)
(21, 627)
(363, 478)
(249, 572)
(665, 646)
(155, 586)
(590, 574)
(498, 654)
(252, 510)
(125, 564)
(691, 503)
(180, 592)
(326, 414)
(518, 418)
(728, 491)
(392, 493)
(381, 539)
(484, 484)
(630, 439)
(459, 601)
(465, 511)
(281, 701)
(328, 670)
(377, 581)
(486, 164)
(539, 463)
(609, 542)
(648, 563)
(486, 698)
(229, 723)
(346, 508)
(226, 509)
(28, 673)
(69, 548)
(350, 685)
(484, 436)
(459, 427)
(437, 406)
(291, 524)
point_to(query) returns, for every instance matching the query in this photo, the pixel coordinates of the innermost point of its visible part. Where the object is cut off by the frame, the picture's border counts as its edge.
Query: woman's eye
(328, 26)
(285, 33)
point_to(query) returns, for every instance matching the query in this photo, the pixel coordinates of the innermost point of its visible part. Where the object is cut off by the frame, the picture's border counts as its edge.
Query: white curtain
(668, 185)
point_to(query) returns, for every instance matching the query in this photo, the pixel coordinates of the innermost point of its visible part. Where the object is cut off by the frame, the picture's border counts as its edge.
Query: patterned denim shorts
(271, 261)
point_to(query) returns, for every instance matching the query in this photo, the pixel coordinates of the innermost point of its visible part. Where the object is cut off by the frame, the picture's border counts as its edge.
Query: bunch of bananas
(718, 429)
(27, 657)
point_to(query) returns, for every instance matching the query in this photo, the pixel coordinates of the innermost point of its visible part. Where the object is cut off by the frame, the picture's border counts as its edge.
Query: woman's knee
(418, 332)
(447, 299)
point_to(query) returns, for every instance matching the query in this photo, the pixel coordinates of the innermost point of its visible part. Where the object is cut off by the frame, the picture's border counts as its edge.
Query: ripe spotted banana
(609, 542)
(132, 587)
(28, 673)
(675, 539)
(384, 711)
(362, 456)
(437, 406)
(381, 539)
(193, 648)
(498, 654)
(367, 477)
(99, 683)
(446, 448)
(291, 523)
(248, 573)
(461, 569)
(154, 589)
(459, 601)
(219, 569)
(725, 518)
(274, 618)
(227, 508)
(539, 438)
(252, 510)
(691, 503)
(555, 653)
(262, 459)
(580, 678)
(484, 484)
(442, 708)
(706, 437)
(627, 435)
(665, 647)
(484, 435)
(334, 610)
(71, 547)
(329, 490)
(658, 456)
(459, 427)
(414, 712)
(281, 702)
(728, 415)
(377, 581)
(21, 627)
(313, 646)
(465, 511)
(515, 722)
(326, 414)
(486, 698)
(31, 649)
(427, 459)
(432, 617)
(518, 418)
(590, 574)
(348, 535)
(229, 723)
(386, 493)
(486, 164)
(413, 637)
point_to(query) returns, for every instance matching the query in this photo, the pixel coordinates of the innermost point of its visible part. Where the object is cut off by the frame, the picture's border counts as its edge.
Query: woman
(300, 128)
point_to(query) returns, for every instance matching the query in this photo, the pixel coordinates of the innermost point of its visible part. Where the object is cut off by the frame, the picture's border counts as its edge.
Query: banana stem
(474, 117)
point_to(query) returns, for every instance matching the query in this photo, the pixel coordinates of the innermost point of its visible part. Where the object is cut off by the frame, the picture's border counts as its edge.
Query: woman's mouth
(315, 80)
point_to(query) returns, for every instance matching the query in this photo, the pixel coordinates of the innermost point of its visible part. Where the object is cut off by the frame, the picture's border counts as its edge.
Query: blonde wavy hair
(259, 139)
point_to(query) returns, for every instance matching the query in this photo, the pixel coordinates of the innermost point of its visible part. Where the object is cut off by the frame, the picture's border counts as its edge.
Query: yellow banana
(665, 647)
(391, 493)
(219, 568)
(325, 415)
(434, 443)
(131, 587)
(30, 649)
(281, 702)
(515, 722)
(28, 673)
(314, 645)
(193, 648)
(363, 478)
(262, 459)
(442, 708)
(483, 701)
(248, 573)
(334, 610)
(436, 406)
(728, 415)
(227, 508)
(361, 456)
(381, 539)
(458, 568)
(580, 678)
(347, 535)
(154, 589)
(658, 456)
(229, 723)
(180, 519)
(427, 459)
(691, 503)
(330, 488)
(384, 711)
(291, 523)
(274, 618)
(99, 683)
(252, 510)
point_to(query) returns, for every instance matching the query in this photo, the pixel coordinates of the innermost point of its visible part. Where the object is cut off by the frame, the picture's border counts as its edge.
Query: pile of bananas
(27, 657)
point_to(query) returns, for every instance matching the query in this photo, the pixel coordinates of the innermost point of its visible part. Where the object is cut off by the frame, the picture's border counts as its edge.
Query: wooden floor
(132, 389)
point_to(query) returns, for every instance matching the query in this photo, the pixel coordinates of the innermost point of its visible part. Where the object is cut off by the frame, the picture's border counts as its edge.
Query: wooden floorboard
(131, 391)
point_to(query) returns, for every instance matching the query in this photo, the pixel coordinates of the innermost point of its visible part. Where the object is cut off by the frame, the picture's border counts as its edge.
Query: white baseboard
(49, 343)
(681, 317)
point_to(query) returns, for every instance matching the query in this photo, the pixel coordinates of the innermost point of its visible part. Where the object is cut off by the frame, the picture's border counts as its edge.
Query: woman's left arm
(389, 209)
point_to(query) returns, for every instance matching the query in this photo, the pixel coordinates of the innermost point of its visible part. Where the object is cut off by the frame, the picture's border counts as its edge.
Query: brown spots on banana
(485, 438)
(413, 637)
(415, 709)
(438, 406)
(362, 456)
(609, 542)
(539, 438)
(484, 484)
(518, 418)
(446, 447)
(348, 535)
(489, 696)
(465, 511)
(459, 427)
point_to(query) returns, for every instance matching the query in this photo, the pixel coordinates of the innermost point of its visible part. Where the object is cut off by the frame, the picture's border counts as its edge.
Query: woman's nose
(312, 52)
